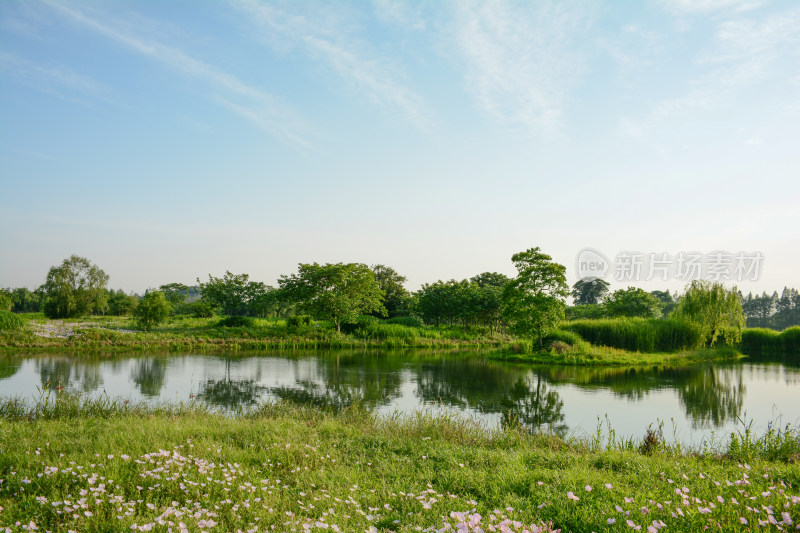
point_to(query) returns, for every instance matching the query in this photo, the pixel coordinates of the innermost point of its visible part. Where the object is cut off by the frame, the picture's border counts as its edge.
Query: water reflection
(63, 373)
(148, 374)
(229, 393)
(533, 408)
(534, 398)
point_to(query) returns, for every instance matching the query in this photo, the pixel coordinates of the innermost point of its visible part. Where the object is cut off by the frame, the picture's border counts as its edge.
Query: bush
(5, 302)
(638, 334)
(237, 322)
(761, 342)
(297, 321)
(360, 322)
(408, 321)
(10, 321)
(152, 309)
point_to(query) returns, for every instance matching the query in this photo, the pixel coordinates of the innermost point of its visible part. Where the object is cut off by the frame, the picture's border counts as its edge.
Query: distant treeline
(772, 311)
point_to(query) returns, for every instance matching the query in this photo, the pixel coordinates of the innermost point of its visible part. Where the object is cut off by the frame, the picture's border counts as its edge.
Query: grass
(762, 343)
(97, 465)
(638, 334)
(589, 355)
(185, 333)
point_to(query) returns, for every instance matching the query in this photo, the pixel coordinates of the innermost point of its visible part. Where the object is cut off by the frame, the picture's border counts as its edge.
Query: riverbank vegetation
(98, 465)
(350, 305)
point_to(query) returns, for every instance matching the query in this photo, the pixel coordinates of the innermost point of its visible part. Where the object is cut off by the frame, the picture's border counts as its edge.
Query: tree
(175, 293)
(152, 309)
(632, 302)
(396, 297)
(75, 288)
(534, 300)
(489, 301)
(668, 303)
(5, 302)
(589, 291)
(120, 303)
(716, 309)
(233, 292)
(337, 292)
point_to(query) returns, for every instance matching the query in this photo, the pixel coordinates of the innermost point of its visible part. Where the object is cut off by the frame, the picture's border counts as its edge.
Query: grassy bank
(761, 343)
(102, 466)
(605, 356)
(198, 334)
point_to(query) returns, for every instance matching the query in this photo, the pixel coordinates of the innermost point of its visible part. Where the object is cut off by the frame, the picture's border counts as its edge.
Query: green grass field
(104, 466)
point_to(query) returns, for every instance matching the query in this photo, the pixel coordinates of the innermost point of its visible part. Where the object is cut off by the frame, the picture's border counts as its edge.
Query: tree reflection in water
(148, 374)
(86, 376)
(533, 408)
(344, 381)
(230, 393)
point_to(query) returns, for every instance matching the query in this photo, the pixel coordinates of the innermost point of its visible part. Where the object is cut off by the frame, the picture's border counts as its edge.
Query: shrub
(199, 309)
(152, 309)
(360, 322)
(638, 334)
(5, 302)
(408, 321)
(297, 321)
(761, 342)
(10, 321)
(237, 322)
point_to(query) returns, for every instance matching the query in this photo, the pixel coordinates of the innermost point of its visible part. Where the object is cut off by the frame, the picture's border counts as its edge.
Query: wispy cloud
(330, 39)
(706, 6)
(744, 53)
(55, 80)
(259, 107)
(519, 59)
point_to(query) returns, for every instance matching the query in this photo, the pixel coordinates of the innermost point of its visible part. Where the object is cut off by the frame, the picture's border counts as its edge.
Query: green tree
(489, 301)
(120, 303)
(233, 293)
(632, 302)
(534, 300)
(396, 297)
(586, 292)
(716, 309)
(668, 303)
(75, 288)
(175, 293)
(152, 309)
(5, 301)
(337, 292)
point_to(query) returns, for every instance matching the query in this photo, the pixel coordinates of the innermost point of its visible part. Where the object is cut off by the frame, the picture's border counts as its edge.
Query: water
(696, 403)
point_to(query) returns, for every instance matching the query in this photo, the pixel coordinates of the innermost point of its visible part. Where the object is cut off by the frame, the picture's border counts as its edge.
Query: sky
(167, 141)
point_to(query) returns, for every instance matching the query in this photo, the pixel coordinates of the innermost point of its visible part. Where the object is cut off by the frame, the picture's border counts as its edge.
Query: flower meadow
(294, 469)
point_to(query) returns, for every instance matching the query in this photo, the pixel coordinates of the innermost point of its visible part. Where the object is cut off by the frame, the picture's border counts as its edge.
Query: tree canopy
(716, 309)
(75, 288)
(534, 300)
(633, 302)
(338, 292)
(586, 292)
(396, 298)
(152, 309)
(233, 293)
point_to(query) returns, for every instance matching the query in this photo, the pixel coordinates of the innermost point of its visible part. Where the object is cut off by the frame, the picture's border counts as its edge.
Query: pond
(694, 403)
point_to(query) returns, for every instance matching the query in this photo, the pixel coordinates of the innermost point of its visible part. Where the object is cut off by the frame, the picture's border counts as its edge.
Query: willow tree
(717, 310)
(534, 300)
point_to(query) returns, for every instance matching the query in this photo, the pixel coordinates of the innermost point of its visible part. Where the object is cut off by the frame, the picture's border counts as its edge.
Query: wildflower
(609, 486)
(572, 496)
(588, 488)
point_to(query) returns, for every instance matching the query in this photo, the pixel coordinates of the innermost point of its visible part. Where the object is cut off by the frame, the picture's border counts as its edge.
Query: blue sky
(169, 140)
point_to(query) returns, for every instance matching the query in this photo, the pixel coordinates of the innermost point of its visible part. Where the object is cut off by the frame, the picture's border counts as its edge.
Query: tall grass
(10, 321)
(762, 343)
(638, 334)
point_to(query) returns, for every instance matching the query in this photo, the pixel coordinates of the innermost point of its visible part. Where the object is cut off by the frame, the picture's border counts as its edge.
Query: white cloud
(261, 108)
(519, 60)
(743, 53)
(58, 81)
(328, 37)
(705, 6)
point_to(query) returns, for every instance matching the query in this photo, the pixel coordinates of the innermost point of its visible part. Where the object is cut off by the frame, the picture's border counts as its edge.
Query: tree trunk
(338, 326)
